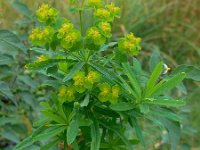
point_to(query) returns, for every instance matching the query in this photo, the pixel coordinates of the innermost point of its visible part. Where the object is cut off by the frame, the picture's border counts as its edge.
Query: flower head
(70, 39)
(105, 29)
(91, 78)
(94, 35)
(66, 28)
(105, 89)
(130, 44)
(46, 13)
(79, 79)
(66, 94)
(102, 14)
(41, 36)
(115, 94)
(114, 11)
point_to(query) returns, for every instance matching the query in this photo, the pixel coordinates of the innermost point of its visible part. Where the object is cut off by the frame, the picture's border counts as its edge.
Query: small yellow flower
(70, 39)
(91, 78)
(115, 94)
(46, 13)
(102, 14)
(105, 28)
(130, 44)
(66, 28)
(79, 79)
(105, 93)
(41, 36)
(66, 94)
(115, 11)
(94, 35)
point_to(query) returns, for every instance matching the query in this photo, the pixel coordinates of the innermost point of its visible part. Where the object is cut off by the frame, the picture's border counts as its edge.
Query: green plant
(100, 89)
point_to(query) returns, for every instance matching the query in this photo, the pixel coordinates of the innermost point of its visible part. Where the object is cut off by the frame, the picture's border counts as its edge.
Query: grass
(168, 26)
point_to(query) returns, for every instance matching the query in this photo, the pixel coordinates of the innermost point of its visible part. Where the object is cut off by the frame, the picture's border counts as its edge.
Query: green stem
(65, 140)
(80, 17)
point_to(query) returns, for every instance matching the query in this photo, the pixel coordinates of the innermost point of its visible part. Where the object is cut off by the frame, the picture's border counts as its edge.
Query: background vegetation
(167, 27)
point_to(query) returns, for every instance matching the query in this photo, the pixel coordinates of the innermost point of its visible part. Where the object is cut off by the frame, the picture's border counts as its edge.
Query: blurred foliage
(169, 28)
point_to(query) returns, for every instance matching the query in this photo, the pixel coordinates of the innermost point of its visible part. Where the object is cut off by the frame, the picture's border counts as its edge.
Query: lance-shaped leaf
(165, 102)
(169, 84)
(77, 67)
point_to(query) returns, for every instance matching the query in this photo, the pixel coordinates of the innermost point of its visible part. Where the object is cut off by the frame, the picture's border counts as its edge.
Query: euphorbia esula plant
(98, 87)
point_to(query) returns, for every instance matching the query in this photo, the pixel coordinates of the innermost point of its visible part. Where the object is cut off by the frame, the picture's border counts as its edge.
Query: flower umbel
(130, 44)
(94, 35)
(79, 79)
(66, 94)
(41, 36)
(46, 13)
(91, 78)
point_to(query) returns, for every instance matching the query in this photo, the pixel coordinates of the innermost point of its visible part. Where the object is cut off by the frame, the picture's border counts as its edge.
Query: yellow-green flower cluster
(114, 11)
(130, 44)
(46, 13)
(66, 94)
(108, 13)
(105, 29)
(95, 36)
(109, 93)
(68, 35)
(83, 82)
(95, 3)
(41, 36)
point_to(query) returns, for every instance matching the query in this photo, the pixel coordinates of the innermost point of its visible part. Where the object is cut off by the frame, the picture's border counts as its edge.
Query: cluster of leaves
(103, 89)
(19, 93)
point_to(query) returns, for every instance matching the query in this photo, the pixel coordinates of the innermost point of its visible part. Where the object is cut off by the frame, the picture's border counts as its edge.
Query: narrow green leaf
(165, 102)
(171, 83)
(192, 72)
(77, 67)
(138, 130)
(10, 43)
(50, 145)
(129, 72)
(107, 74)
(5, 60)
(154, 60)
(125, 85)
(39, 65)
(72, 130)
(154, 77)
(95, 135)
(48, 133)
(85, 102)
(53, 116)
(166, 113)
(122, 106)
(116, 130)
(5, 91)
(40, 122)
